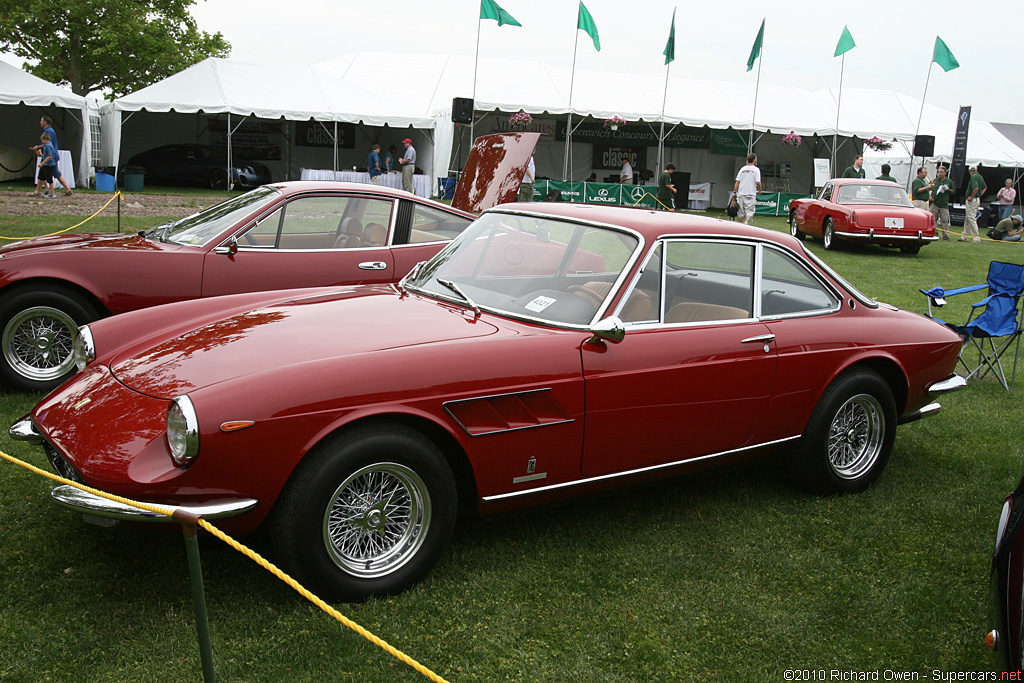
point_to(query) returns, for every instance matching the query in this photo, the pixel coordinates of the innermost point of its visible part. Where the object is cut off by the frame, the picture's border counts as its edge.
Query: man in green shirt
(1008, 229)
(885, 174)
(857, 170)
(975, 189)
(666, 189)
(942, 190)
(921, 189)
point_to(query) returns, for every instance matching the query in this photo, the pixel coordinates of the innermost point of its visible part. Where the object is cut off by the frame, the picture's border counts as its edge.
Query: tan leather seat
(350, 234)
(637, 307)
(374, 235)
(695, 311)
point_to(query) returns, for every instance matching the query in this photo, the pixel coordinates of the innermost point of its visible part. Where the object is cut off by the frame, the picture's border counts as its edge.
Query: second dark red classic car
(865, 211)
(550, 351)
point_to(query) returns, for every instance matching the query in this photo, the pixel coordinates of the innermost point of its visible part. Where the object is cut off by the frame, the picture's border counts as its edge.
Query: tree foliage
(117, 46)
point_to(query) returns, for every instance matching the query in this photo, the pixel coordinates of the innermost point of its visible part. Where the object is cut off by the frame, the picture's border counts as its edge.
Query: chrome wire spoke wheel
(856, 436)
(37, 343)
(377, 519)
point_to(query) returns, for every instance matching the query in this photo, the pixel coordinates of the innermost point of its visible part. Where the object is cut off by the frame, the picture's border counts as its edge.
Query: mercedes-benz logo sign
(637, 194)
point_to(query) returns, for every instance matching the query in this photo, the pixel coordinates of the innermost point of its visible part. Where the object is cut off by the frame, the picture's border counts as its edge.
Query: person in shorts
(47, 165)
(748, 184)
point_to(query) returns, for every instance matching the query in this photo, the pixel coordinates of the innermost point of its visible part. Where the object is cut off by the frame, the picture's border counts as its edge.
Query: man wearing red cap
(408, 162)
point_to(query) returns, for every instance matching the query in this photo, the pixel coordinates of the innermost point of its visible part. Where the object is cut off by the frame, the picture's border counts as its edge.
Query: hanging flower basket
(878, 144)
(520, 118)
(792, 139)
(614, 122)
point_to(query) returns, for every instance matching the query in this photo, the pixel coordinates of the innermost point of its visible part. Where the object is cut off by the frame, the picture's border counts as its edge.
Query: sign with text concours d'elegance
(637, 135)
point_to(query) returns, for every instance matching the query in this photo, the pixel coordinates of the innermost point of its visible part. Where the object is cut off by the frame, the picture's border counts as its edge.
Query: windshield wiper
(458, 290)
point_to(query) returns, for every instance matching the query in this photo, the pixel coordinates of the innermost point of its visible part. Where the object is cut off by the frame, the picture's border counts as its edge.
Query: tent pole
(476, 63)
(839, 104)
(229, 184)
(335, 146)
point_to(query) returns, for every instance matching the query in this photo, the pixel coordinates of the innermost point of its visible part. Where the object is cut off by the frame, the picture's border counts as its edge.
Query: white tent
(20, 89)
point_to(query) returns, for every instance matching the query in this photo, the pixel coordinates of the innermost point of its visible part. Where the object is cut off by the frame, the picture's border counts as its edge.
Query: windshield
(534, 267)
(873, 194)
(198, 229)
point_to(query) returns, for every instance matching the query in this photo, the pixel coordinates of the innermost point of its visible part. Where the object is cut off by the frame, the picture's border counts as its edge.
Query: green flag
(670, 46)
(586, 23)
(845, 43)
(492, 10)
(755, 51)
(943, 57)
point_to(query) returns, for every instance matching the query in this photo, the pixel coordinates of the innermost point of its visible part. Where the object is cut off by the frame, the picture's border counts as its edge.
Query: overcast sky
(713, 39)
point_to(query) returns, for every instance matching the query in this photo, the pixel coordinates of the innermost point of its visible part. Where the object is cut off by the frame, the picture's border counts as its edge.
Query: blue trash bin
(104, 182)
(445, 188)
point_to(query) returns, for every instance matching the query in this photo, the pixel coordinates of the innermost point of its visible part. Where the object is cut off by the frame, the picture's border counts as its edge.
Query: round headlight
(83, 351)
(183, 431)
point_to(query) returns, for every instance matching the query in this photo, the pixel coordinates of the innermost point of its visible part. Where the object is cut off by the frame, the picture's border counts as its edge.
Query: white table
(66, 166)
(420, 183)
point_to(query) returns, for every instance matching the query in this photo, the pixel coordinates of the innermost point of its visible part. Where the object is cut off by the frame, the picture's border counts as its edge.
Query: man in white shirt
(748, 184)
(529, 178)
(626, 175)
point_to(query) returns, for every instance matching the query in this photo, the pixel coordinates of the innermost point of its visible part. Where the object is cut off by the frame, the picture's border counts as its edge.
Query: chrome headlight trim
(183, 431)
(83, 349)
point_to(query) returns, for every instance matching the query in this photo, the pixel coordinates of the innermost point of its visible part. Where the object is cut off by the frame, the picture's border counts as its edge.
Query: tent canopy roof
(21, 87)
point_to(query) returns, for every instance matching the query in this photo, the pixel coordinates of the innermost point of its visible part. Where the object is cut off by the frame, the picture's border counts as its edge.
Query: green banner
(775, 203)
(598, 193)
(731, 142)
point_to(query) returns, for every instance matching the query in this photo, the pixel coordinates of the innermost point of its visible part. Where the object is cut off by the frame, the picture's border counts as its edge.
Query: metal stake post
(189, 523)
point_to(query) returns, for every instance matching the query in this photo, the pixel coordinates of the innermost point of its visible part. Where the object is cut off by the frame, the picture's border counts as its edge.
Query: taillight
(853, 218)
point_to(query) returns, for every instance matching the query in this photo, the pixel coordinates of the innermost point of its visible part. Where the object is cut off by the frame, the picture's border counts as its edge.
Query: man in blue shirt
(373, 165)
(47, 125)
(408, 162)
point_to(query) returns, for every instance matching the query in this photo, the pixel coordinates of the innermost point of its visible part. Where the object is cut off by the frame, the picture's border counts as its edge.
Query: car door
(695, 370)
(422, 230)
(310, 241)
(816, 211)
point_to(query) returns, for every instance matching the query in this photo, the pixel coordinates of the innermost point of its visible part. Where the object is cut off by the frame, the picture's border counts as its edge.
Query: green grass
(733, 576)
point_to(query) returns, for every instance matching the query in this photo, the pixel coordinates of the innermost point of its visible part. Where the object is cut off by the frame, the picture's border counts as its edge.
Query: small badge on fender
(81, 404)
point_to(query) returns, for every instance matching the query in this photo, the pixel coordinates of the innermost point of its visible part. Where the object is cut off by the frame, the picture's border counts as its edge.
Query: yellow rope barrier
(59, 232)
(648, 194)
(252, 555)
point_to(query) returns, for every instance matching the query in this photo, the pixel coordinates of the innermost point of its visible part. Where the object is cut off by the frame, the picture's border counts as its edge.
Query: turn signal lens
(992, 640)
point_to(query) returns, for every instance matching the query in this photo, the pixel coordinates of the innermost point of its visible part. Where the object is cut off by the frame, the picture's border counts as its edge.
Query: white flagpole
(566, 164)
(839, 105)
(661, 135)
(917, 130)
(476, 61)
(753, 114)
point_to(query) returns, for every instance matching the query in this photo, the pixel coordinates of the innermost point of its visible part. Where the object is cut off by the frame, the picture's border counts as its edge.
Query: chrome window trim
(627, 473)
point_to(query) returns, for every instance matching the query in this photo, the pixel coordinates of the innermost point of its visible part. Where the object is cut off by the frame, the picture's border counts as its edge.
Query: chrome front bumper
(105, 512)
(945, 386)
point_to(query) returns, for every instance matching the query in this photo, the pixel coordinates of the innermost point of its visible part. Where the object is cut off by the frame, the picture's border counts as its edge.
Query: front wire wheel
(856, 436)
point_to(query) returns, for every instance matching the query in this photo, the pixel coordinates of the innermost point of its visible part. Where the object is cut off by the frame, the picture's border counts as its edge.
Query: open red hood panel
(494, 170)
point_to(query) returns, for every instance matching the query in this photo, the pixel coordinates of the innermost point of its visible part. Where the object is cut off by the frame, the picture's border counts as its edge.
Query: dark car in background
(204, 165)
(1006, 621)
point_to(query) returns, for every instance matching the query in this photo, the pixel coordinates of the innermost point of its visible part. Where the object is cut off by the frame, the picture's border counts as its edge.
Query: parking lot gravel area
(14, 203)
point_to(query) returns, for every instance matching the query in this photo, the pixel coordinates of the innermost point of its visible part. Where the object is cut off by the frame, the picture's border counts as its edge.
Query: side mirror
(229, 249)
(610, 329)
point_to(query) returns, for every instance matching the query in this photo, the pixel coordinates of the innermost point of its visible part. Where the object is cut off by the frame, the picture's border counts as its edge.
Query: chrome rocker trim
(92, 506)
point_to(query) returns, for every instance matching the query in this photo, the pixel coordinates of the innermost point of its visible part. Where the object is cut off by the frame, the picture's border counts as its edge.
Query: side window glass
(323, 223)
(708, 281)
(826, 192)
(432, 225)
(643, 303)
(787, 288)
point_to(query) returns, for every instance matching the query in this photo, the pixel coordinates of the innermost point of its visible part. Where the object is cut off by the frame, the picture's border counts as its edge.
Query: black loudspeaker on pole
(924, 146)
(462, 110)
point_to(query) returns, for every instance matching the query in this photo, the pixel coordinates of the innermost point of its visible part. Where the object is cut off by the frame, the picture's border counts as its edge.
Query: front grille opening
(60, 464)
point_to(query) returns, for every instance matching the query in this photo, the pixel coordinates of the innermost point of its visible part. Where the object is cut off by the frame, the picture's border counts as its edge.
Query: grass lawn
(733, 575)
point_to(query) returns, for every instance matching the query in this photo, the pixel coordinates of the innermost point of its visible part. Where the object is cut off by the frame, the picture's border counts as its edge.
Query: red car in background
(551, 350)
(867, 211)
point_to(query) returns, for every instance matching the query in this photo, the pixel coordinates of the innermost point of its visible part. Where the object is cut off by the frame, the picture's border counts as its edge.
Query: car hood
(130, 242)
(316, 328)
(494, 170)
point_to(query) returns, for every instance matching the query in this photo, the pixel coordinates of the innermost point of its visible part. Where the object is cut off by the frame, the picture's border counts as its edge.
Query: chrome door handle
(760, 339)
(373, 265)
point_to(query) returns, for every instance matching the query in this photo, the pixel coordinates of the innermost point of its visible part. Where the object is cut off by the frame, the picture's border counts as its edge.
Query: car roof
(860, 181)
(650, 223)
(298, 186)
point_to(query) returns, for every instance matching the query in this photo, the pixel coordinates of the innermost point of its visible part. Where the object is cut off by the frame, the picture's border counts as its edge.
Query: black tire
(910, 250)
(366, 553)
(793, 229)
(850, 435)
(218, 179)
(828, 235)
(38, 326)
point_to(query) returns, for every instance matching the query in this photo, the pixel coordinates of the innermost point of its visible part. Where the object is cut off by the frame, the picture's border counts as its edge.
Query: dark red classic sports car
(297, 234)
(867, 211)
(550, 351)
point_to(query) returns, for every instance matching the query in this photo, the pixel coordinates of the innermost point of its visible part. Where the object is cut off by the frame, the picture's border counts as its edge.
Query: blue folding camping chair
(996, 329)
